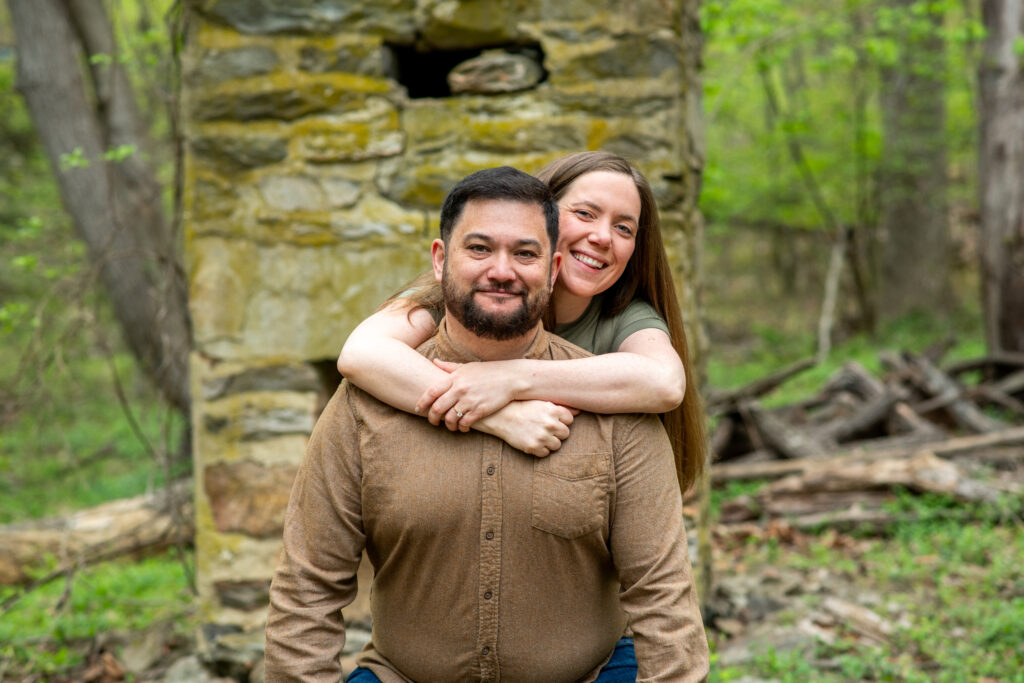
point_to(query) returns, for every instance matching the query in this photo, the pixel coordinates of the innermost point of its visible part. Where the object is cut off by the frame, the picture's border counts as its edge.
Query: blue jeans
(621, 668)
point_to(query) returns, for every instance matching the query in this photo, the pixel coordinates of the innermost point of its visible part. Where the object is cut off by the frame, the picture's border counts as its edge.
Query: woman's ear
(556, 266)
(437, 258)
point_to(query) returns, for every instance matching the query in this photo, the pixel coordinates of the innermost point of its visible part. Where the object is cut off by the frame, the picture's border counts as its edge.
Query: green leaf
(119, 153)
(75, 159)
(101, 59)
(26, 262)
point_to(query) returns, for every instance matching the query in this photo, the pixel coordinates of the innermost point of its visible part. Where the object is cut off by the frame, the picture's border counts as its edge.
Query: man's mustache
(500, 289)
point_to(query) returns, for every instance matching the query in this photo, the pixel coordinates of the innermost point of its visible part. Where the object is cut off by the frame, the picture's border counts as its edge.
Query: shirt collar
(445, 347)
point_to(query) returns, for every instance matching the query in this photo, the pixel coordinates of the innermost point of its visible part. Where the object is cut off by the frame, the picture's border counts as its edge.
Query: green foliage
(808, 75)
(773, 350)
(50, 629)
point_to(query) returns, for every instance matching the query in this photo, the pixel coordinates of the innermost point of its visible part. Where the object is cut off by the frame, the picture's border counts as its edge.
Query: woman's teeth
(586, 260)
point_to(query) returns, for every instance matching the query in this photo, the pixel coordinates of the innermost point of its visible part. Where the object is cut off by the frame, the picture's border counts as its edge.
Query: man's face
(497, 270)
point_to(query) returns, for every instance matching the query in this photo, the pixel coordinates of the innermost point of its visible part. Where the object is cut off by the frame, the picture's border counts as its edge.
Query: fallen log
(787, 440)
(724, 401)
(949, 395)
(144, 524)
(987, 364)
(945, 448)
(1012, 383)
(923, 473)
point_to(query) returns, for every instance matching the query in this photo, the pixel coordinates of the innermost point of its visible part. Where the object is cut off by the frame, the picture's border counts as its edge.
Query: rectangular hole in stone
(424, 71)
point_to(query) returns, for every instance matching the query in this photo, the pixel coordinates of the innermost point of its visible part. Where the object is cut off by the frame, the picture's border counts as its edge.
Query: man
(489, 564)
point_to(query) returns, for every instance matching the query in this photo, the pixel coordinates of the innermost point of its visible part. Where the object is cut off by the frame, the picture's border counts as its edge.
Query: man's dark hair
(505, 183)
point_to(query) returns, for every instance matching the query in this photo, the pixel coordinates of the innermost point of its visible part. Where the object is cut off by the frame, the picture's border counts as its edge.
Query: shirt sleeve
(648, 542)
(323, 544)
(638, 315)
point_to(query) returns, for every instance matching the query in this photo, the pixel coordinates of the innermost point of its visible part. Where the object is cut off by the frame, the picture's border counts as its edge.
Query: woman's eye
(624, 229)
(583, 213)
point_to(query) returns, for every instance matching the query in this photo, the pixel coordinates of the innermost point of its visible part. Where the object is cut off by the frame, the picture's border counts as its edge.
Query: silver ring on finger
(458, 413)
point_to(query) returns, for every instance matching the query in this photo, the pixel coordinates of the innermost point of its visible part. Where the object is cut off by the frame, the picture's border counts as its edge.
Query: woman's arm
(380, 358)
(645, 375)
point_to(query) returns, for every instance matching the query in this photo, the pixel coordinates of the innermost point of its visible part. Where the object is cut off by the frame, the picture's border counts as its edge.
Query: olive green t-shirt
(604, 335)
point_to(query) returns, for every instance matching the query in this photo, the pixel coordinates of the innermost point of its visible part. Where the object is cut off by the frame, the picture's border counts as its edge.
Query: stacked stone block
(312, 186)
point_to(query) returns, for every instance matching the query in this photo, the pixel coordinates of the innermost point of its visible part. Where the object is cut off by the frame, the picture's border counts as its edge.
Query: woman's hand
(472, 391)
(534, 427)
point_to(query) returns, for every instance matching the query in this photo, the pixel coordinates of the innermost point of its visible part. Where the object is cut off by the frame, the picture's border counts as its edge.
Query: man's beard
(461, 303)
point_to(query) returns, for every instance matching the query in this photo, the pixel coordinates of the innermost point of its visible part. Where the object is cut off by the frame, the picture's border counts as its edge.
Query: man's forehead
(508, 218)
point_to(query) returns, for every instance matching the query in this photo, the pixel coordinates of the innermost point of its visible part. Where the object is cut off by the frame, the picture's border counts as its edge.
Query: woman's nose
(601, 234)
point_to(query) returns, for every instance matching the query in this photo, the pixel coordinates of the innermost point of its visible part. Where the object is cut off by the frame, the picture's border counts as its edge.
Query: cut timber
(945, 448)
(143, 524)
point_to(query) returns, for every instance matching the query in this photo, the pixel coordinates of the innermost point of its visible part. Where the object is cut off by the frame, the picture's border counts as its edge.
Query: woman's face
(599, 215)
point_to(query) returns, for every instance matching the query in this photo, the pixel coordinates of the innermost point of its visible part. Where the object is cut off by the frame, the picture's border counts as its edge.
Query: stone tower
(320, 139)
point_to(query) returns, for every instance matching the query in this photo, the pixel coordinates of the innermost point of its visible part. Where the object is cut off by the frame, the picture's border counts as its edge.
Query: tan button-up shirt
(489, 564)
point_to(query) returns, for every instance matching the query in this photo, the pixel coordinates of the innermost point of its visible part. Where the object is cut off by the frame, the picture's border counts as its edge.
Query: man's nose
(501, 269)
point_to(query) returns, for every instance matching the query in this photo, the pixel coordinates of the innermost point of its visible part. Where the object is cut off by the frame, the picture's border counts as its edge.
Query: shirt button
(489, 535)
(490, 470)
(485, 651)
(487, 595)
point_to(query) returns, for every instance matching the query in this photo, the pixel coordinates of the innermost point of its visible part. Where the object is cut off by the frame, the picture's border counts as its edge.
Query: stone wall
(321, 137)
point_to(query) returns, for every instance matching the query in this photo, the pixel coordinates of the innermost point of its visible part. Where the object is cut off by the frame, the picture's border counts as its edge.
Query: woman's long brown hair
(647, 276)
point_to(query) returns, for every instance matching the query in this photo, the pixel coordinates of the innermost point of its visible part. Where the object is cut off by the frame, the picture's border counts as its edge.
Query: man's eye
(527, 254)
(477, 248)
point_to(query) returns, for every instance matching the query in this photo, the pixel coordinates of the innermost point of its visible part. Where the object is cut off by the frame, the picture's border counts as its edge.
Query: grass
(50, 630)
(953, 591)
(67, 442)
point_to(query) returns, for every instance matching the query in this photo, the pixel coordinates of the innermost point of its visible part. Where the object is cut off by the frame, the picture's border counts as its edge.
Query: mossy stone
(240, 152)
(394, 19)
(217, 66)
(286, 100)
(366, 57)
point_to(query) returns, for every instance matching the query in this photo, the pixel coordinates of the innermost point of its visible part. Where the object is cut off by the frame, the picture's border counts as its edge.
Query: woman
(614, 297)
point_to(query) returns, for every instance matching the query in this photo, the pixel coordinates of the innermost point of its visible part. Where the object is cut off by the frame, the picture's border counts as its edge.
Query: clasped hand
(476, 391)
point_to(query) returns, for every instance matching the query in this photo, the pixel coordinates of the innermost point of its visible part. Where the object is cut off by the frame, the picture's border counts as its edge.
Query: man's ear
(437, 257)
(556, 266)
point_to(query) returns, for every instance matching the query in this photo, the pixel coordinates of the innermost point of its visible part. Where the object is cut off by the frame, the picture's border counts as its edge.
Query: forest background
(842, 203)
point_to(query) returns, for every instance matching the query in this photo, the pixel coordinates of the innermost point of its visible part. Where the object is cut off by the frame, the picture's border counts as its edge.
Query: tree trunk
(1001, 177)
(915, 255)
(116, 205)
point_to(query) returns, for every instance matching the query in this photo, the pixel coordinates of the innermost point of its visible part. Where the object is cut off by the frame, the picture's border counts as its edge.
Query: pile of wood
(839, 456)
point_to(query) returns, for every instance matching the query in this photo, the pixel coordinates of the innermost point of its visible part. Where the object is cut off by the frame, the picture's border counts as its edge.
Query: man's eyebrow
(597, 207)
(482, 237)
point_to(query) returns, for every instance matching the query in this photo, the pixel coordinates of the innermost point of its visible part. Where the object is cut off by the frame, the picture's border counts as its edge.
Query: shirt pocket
(570, 493)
